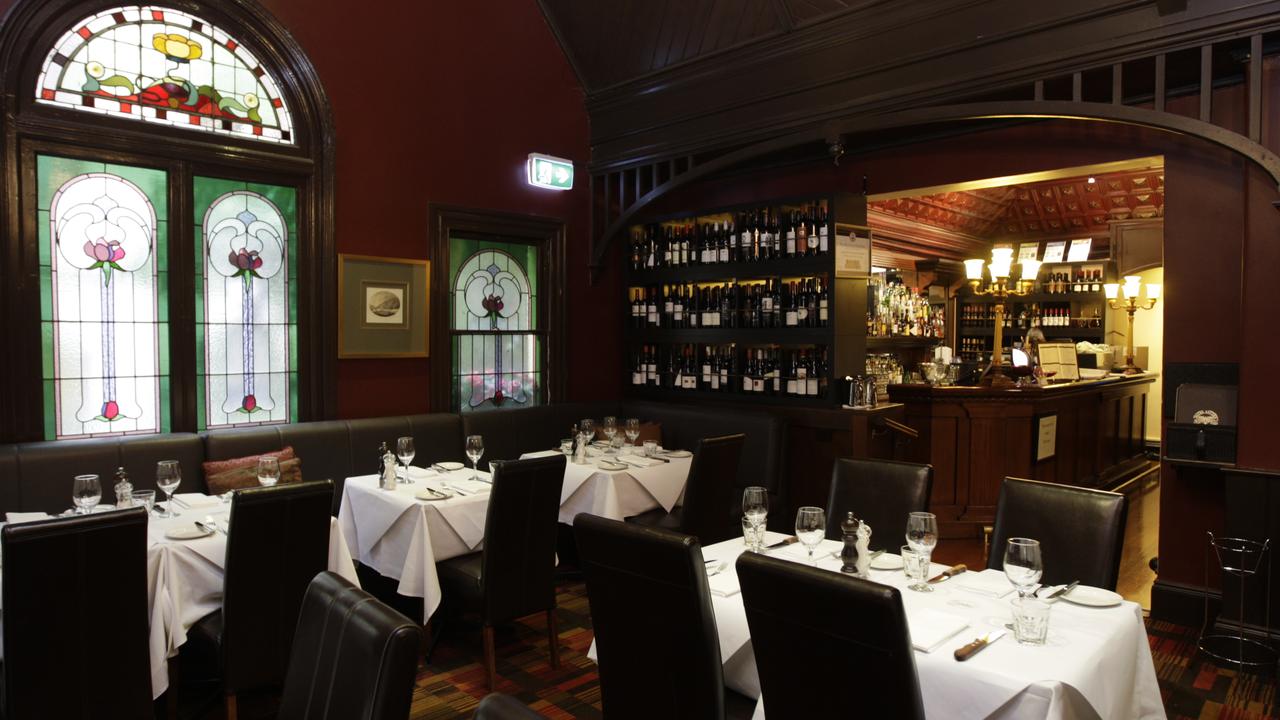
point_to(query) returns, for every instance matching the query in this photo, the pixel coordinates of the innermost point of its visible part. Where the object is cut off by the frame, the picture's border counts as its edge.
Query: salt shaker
(864, 550)
(387, 475)
(849, 555)
(123, 489)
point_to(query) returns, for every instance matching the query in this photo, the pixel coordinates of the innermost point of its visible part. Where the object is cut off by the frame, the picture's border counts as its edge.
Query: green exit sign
(548, 172)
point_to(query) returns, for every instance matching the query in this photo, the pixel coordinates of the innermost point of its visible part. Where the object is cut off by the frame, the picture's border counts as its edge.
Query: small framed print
(1054, 251)
(1046, 436)
(1028, 251)
(382, 307)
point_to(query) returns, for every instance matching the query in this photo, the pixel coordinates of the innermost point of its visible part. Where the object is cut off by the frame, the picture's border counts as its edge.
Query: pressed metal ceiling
(613, 41)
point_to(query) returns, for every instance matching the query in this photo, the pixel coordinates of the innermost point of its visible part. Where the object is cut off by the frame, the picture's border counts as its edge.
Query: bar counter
(976, 436)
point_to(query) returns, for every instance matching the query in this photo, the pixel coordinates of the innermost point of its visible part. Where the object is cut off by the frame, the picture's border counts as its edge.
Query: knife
(950, 573)
(975, 647)
(783, 543)
(1062, 590)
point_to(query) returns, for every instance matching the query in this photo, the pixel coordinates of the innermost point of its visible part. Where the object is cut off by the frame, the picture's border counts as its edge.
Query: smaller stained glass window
(166, 66)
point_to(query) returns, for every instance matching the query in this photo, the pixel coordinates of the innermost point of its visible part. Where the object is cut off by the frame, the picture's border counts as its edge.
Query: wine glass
(405, 453)
(168, 476)
(922, 536)
(610, 428)
(811, 528)
(86, 491)
(1023, 564)
(268, 470)
(632, 429)
(755, 508)
(475, 449)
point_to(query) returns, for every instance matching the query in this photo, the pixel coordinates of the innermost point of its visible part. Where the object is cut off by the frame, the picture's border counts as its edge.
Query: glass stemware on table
(268, 470)
(632, 430)
(1023, 565)
(610, 428)
(145, 498)
(755, 512)
(922, 536)
(168, 477)
(405, 453)
(475, 450)
(86, 492)
(811, 528)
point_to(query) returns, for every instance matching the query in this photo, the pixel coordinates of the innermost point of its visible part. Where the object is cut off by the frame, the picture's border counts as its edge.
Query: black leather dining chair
(708, 494)
(657, 647)
(881, 493)
(1081, 531)
(353, 657)
(62, 577)
(278, 542)
(854, 632)
(497, 706)
(514, 575)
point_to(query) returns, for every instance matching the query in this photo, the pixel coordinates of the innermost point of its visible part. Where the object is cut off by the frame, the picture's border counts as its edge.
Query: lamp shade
(1132, 286)
(973, 269)
(1030, 268)
(1112, 290)
(1153, 291)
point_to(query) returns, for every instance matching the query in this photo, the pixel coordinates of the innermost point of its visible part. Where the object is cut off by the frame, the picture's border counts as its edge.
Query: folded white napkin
(639, 460)
(19, 517)
(931, 628)
(470, 487)
(991, 583)
(195, 500)
(724, 584)
(540, 453)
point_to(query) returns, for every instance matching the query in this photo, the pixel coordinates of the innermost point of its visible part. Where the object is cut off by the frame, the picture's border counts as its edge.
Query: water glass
(566, 447)
(475, 450)
(145, 498)
(86, 491)
(1023, 564)
(650, 448)
(405, 453)
(915, 565)
(632, 430)
(811, 528)
(168, 477)
(1030, 620)
(755, 510)
(922, 531)
(752, 535)
(268, 470)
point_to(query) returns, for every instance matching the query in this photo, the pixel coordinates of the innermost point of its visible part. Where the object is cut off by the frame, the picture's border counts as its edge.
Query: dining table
(184, 577)
(1096, 662)
(620, 485)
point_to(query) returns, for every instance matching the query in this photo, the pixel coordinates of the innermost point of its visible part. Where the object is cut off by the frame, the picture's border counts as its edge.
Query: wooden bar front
(975, 436)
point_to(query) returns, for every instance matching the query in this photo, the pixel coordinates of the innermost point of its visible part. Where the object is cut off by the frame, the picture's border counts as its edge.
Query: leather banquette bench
(37, 476)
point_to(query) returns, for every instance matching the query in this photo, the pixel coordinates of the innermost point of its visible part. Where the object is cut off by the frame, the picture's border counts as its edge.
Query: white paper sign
(1046, 437)
(1053, 251)
(853, 255)
(1028, 251)
(1079, 251)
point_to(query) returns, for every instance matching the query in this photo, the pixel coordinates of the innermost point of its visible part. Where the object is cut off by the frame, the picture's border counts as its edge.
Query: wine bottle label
(667, 307)
(724, 378)
(822, 241)
(706, 373)
(766, 241)
(792, 317)
(637, 378)
(801, 373)
(776, 383)
(715, 382)
(724, 254)
(791, 242)
(811, 386)
(746, 384)
(813, 240)
(690, 382)
(791, 386)
(822, 313)
(757, 385)
(653, 315)
(745, 241)
(802, 313)
(766, 304)
(679, 313)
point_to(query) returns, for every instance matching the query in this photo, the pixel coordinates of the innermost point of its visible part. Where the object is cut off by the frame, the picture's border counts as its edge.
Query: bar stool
(1239, 558)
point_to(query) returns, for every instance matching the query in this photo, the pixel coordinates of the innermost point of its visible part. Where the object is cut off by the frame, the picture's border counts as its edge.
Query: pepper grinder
(123, 489)
(849, 555)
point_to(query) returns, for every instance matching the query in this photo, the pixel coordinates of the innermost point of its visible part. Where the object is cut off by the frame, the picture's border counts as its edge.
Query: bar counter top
(902, 392)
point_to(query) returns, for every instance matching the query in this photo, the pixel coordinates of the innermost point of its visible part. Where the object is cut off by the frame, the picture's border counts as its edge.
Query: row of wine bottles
(800, 303)
(722, 368)
(761, 234)
(1048, 315)
(1081, 281)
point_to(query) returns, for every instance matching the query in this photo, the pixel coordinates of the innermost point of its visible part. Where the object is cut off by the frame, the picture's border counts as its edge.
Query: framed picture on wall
(383, 307)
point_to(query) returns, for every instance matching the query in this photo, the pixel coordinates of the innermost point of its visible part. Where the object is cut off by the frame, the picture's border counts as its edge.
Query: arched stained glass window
(246, 303)
(103, 297)
(163, 65)
(497, 351)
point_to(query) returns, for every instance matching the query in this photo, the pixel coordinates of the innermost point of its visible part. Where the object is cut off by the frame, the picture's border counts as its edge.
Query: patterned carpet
(1194, 688)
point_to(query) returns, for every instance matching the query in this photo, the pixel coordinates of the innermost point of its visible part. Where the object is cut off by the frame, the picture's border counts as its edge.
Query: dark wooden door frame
(549, 234)
(27, 127)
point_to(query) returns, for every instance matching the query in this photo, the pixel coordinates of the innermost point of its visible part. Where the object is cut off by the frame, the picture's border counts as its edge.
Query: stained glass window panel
(102, 277)
(246, 303)
(497, 349)
(162, 65)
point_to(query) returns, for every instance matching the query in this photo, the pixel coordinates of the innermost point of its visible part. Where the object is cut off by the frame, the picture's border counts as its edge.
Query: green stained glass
(42, 225)
(46, 342)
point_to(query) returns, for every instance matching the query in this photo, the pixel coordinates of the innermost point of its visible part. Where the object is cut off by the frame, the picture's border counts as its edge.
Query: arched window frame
(28, 31)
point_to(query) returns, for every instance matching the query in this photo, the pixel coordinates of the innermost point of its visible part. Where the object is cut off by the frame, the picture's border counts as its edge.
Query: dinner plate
(887, 561)
(187, 532)
(1092, 597)
(427, 495)
(449, 465)
(606, 465)
(678, 453)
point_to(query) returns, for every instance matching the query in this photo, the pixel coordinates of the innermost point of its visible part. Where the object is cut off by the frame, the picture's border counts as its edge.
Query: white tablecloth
(185, 582)
(403, 538)
(1097, 662)
(618, 494)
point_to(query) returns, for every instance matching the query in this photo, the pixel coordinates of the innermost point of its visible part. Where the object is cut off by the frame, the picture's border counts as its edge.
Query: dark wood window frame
(546, 233)
(30, 129)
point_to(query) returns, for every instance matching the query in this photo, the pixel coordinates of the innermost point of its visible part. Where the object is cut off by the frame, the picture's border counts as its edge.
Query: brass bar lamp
(1125, 297)
(1000, 289)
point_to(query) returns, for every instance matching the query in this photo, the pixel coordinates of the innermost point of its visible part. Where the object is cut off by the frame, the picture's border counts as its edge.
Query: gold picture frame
(384, 307)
